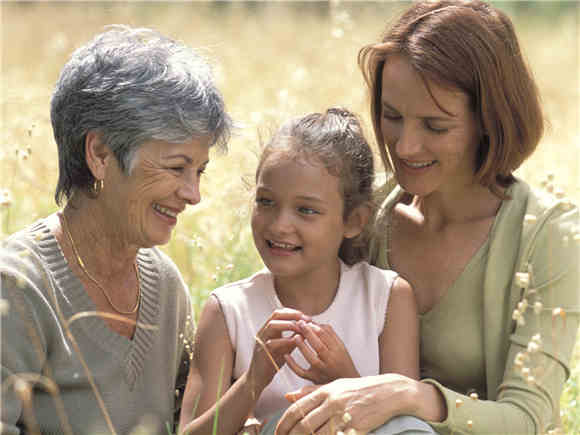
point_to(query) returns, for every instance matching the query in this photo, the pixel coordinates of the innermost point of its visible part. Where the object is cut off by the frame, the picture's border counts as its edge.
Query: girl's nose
(281, 222)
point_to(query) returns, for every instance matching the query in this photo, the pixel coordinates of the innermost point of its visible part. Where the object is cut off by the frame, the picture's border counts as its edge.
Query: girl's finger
(289, 314)
(307, 352)
(274, 328)
(295, 367)
(310, 332)
(280, 346)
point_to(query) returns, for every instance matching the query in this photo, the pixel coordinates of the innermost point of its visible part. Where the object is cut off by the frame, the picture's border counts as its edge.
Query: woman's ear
(97, 154)
(357, 220)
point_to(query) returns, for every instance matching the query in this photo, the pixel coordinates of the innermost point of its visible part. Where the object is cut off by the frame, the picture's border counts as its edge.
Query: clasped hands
(287, 329)
(319, 344)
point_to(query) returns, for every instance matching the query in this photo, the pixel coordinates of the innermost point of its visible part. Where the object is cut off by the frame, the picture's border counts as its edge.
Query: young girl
(318, 312)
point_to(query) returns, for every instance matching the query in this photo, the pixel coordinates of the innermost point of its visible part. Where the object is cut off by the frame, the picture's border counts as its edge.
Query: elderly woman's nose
(189, 191)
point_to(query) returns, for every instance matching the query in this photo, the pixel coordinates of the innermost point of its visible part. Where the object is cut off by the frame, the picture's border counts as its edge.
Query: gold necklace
(83, 267)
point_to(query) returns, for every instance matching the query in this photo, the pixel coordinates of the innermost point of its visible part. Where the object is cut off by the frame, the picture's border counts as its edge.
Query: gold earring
(97, 187)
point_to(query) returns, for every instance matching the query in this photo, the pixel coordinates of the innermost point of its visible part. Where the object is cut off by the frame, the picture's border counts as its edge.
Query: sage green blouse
(471, 340)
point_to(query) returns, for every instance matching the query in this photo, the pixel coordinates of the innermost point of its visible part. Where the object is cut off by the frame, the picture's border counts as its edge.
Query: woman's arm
(27, 323)
(368, 401)
(399, 341)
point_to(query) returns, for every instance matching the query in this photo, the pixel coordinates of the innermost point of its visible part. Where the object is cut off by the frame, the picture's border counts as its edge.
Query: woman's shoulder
(543, 211)
(24, 252)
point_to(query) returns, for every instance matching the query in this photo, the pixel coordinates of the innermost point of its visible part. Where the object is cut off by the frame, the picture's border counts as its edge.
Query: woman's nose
(409, 141)
(189, 191)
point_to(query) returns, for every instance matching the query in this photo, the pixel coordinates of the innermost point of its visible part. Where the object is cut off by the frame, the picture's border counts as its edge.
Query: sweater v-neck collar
(73, 299)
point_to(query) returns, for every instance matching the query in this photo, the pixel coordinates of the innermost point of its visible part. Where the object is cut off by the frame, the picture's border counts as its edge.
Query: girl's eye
(307, 210)
(201, 171)
(264, 202)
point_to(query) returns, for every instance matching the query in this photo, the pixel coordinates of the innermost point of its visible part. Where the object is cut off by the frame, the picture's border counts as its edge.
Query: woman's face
(431, 150)
(164, 179)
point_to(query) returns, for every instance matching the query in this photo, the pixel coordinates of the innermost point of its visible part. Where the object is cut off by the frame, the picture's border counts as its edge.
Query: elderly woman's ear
(97, 154)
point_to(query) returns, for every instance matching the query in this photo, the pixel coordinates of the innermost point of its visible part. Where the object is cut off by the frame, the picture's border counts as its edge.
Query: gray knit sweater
(136, 379)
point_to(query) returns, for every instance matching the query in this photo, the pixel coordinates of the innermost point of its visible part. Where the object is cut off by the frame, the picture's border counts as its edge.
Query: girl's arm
(212, 367)
(210, 370)
(399, 341)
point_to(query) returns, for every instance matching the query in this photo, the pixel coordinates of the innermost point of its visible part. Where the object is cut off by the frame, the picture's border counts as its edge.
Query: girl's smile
(297, 220)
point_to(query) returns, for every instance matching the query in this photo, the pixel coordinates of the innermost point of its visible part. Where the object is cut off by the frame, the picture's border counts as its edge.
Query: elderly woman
(95, 337)
(493, 262)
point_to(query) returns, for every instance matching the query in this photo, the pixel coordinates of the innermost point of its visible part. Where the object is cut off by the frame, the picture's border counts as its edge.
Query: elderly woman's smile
(163, 179)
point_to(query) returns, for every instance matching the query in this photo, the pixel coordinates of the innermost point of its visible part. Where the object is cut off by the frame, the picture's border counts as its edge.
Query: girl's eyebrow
(300, 197)
(311, 198)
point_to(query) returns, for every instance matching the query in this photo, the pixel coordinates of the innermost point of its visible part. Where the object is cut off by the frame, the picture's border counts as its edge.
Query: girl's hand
(271, 346)
(324, 351)
(362, 404)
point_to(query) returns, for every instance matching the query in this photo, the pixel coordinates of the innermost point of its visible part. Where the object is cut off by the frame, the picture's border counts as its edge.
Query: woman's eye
(435, 129)
(391, 116)
(178, 169)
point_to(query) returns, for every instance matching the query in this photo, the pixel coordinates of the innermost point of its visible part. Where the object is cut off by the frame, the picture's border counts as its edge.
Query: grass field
(272, 60)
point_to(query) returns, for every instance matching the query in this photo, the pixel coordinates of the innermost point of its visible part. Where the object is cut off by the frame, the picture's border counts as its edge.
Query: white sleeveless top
(357, 315)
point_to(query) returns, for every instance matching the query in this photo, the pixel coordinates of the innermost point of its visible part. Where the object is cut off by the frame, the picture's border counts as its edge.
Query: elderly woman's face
(164, 179)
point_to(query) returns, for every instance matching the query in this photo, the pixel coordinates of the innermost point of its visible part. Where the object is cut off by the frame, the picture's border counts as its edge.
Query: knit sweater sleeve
(544, 316)
(27, 323)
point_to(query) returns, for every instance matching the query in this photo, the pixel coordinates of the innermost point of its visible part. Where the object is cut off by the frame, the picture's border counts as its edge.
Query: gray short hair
(131, 86)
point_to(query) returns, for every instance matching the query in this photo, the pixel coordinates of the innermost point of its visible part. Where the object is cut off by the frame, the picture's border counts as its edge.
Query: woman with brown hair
(494, 264)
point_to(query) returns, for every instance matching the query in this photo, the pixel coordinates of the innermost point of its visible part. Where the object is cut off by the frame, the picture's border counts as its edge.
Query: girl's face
(297, 221)
(431, 150)
(164, 179)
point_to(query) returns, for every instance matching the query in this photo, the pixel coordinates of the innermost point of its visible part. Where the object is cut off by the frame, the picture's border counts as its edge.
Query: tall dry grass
(272, 60)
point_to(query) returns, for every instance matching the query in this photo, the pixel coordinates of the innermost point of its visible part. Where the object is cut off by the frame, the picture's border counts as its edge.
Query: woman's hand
(362, 404)
(271, 346)
(324, 351)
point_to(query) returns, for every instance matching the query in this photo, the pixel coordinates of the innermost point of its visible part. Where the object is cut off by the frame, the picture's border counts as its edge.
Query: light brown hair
(336, 140)
(470, 46)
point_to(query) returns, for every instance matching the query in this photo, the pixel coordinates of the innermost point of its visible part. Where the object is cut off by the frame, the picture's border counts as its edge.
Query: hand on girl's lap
(367, 402)
(324, 351)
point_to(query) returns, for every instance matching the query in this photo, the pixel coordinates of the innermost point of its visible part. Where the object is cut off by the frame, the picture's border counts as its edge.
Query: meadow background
(272, 60)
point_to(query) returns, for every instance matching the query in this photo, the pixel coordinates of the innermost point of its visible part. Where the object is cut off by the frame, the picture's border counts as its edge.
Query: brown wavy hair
(470, 46)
